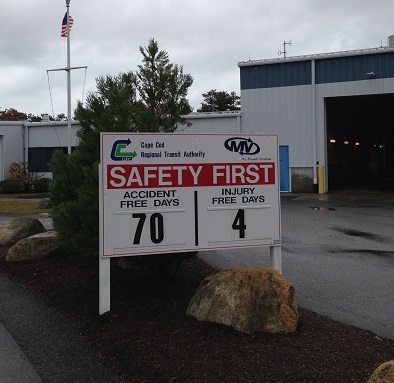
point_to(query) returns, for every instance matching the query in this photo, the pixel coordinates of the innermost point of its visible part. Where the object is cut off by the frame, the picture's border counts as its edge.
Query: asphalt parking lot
(338, 252)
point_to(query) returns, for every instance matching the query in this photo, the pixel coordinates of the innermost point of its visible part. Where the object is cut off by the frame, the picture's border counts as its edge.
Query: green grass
(21, 207)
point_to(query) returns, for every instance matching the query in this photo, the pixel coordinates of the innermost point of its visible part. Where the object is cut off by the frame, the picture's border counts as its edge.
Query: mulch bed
(146, 337)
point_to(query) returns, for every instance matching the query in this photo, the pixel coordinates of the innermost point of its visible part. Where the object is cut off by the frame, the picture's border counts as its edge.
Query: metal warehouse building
(333, 110)
(33, 142)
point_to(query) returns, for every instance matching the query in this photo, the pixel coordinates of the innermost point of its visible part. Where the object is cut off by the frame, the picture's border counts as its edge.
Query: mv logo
(241, 145)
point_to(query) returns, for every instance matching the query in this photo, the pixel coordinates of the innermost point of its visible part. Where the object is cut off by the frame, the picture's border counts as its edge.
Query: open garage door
(360, 142)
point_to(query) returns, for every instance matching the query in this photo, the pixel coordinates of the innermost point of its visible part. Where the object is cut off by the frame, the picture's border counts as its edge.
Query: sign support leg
(104, 285)
(104, 263)
(276, 258)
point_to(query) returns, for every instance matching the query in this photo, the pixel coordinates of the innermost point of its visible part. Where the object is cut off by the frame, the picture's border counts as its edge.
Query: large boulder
(247, 299)
(383, 374)
(16, 229)
(34, 247)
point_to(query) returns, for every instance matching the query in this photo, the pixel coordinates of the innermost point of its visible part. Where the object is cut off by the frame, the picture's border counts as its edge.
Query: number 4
(239, 223)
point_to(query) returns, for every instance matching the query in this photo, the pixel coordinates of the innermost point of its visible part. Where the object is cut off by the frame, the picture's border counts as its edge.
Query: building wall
(11, 148)
(355, 66)
(34, 142)
(212, 122)
(288, 112)
(285, 111)
(19, 140)
(287, 97)
(51, 134)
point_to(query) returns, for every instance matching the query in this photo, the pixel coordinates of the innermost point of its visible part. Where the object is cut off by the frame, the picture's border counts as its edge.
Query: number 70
(156, 226)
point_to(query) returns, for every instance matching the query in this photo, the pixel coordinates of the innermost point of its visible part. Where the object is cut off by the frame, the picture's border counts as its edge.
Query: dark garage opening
(360, 142)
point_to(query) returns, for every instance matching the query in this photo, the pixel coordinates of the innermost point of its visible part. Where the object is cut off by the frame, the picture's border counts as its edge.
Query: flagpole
(68, 70)
(66, 27)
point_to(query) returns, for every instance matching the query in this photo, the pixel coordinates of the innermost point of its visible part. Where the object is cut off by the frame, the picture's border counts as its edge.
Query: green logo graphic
(118, 152)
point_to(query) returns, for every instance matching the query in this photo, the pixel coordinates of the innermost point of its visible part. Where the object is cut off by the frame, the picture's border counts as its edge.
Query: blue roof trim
(354, 68)
(328, 70)
(276, 75)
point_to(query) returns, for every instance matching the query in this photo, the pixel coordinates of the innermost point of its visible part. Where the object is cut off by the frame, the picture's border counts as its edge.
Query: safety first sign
(181, 192)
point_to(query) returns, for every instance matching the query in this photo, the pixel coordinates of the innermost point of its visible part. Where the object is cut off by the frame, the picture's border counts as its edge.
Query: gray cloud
(208, 38)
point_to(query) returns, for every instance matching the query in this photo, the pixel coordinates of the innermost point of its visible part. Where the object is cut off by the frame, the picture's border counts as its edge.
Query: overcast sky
(207, 37)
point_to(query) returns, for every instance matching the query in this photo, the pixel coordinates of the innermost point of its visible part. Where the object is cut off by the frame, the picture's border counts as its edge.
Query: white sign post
(164, 193)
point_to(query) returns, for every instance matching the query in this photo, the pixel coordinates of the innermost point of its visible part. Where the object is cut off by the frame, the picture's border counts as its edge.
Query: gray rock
(247, 299)
(34, 247)
(16, 229)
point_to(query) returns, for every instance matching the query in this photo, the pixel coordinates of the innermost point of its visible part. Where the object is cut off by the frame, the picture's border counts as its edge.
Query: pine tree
(151, 100)
(219, 101)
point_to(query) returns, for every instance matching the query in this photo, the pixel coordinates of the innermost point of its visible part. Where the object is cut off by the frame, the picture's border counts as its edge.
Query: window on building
(39, 159)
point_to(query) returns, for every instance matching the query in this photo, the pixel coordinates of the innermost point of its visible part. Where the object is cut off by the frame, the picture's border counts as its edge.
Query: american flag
(64, 25)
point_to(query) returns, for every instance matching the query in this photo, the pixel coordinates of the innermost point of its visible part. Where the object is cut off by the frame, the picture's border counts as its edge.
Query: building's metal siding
(12, 146)
(288, 97)
(355, 88)
(212, 122)
(19, 136)
(276, 75)
(328, 70)
(286, 111)
(354, 68)
(270, 107)
(51, 135)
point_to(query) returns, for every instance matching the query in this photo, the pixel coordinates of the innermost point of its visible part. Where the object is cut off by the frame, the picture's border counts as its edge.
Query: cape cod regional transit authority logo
(241, 145)
(118, 152)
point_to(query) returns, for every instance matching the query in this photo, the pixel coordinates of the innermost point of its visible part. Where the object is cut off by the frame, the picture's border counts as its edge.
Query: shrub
(20, 170)
(12, 185)
(41, 185)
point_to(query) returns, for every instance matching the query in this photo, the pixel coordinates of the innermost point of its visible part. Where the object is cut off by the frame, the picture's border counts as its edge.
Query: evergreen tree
(151, 100)
(219, 101)
(163, 88)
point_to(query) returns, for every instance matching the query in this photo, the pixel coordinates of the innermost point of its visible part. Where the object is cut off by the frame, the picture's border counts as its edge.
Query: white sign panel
(182, 192)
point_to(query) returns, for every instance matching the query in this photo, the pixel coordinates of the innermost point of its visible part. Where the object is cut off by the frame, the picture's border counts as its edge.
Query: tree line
(213, 101)
(12, 114)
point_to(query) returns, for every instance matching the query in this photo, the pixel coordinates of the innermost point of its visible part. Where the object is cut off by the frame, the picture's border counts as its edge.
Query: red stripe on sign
(187, 175)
